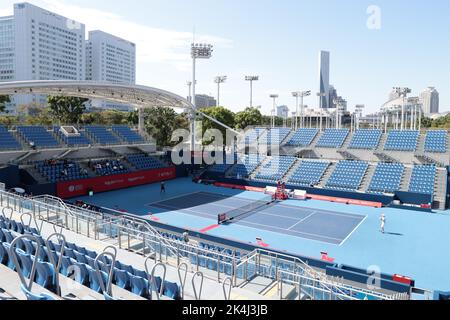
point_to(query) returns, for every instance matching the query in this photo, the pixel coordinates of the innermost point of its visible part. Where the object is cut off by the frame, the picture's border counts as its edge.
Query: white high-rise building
(46, 46)
(110, 59)
(430, 101)
(324, 78)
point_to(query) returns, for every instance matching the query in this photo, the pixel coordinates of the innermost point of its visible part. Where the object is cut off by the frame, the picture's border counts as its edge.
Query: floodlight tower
(403, 92)
(301, 95)
(219, 80)
(251, 79)
(274, 97)
(320, 95)
(198, 51)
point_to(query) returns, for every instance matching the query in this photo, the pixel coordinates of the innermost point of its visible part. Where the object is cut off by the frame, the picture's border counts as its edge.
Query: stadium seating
(144, 162)
(61, 171)
(333, 138)
(253, 135)
(108, 167)
(402, 140)
(130, 278)
(276, 168)
(246, 165)
(309, 173)
(436, 141)
(423, 179)
(276, 136)
(127, 135)
(228, 162)
(347, 175)
(101, 135)
(73, 141)
(7, 140)
(387, 178)
(39, 136)
(303, 137)
(366, 139)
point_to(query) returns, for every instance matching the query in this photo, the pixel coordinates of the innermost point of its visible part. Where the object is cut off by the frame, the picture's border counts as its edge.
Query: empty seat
(7, 140)
(366, 139)
(79, 140)
(122, 278)
(405, 140)
(436, 141)
(333, 138)
(303, 137)
(101, 135)
(127, 135)
(347, 175)
(276, 136)
(140, 286)
(387, 178)
(144, 162)
(246, 165)
(423, 179)
(39, 136)
(275, 169)
(309, 173)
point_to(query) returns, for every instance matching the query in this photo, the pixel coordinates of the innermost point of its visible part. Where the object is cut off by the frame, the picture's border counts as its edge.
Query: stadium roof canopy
(136, 96)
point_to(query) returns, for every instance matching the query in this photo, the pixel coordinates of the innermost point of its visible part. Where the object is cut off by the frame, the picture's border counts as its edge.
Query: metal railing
(137, 235)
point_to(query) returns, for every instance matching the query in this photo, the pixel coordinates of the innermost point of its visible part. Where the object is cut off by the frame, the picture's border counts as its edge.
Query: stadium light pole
(403, 91)
(320, 95)
(274, 97)
(198, 51)
(189, 84)
(219, 80)
(251, 79)
(301, 95)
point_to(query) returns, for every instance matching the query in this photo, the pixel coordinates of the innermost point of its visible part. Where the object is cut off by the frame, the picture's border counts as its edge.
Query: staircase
(327, 175)
(367, 179)
(291, 171)
(254, 173)
(407, 174)
(440, 189)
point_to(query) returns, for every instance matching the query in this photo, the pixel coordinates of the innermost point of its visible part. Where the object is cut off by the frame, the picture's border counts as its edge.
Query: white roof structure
(134, 95)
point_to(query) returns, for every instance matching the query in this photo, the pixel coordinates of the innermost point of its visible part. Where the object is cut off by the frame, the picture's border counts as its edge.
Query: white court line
(303, 220)
(320, 211)
(150, 204)
(354, 230)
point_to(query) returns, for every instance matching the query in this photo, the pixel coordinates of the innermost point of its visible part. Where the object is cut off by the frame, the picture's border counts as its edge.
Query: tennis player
(383, 222)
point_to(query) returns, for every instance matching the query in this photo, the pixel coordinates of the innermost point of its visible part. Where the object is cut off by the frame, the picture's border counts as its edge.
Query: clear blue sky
(280, 40)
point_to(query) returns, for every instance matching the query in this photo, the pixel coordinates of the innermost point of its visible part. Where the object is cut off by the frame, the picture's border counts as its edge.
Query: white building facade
(430, 101)
(110, 59)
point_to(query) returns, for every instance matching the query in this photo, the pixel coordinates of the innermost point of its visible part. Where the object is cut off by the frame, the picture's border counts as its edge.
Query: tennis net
(245, 211)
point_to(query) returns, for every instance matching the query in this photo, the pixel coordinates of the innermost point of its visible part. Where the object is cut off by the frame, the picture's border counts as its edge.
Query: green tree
(160, 123)
(222, 115)
(427, 122)
(248, 117)
(3, 101)
(67, 110)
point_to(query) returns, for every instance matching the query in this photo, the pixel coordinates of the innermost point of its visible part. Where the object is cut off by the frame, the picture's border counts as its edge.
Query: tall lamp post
(189, 84)
(320, 95)
(251, 79)
(403, 91)
(301, 95)
(198, 51)
(274, 97)
(219, 80)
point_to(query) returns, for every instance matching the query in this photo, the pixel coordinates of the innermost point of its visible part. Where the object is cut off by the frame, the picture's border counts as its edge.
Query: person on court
(383, 222)
(163, 187)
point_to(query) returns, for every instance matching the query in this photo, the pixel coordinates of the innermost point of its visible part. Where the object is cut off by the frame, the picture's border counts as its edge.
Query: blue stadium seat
(7, 140)
(45, 275)
(140, 286)
(402, 140)
(246, 165)
(309, 173)
(101, 135)
(73, 141)
(127, 135)
(61, 171)
(144, 162)
(171, 290)
(122, 278)
(347, 175)
(275, 169)
(423, 179)
(39, 136)
(333, 138)
(276, 136)
(251, 136)
(94, 281)
(366, 139)
(109, 167)
(26, 263)
(436, 141)
(387, 178)
(303, 137)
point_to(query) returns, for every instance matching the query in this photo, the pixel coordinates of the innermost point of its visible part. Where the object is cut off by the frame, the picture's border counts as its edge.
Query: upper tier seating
(253, 135)
(73, 141)
(144, 162)
(7, 140)
(402, 140)
(423, 179)
(303, 137)
(108, 167)
(276, 136)
(348, 175)
(309, 173)
(39, 136)
(436, 141)
(333, 138)
(246, 165)
(127, 135)
(57, 171)
(366, 139)
(387, 178)
(276, 168)
(101, 135)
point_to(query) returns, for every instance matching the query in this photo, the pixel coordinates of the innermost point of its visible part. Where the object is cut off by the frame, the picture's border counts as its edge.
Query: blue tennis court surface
(313, 224)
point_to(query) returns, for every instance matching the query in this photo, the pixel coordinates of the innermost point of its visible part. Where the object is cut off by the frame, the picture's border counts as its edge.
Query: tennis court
(313, 224)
